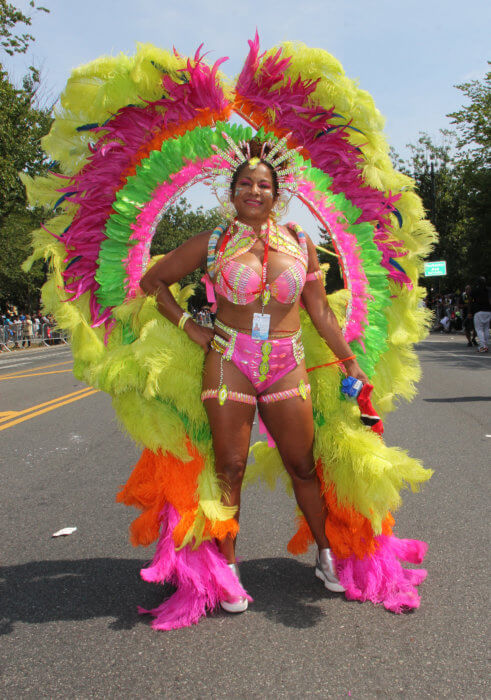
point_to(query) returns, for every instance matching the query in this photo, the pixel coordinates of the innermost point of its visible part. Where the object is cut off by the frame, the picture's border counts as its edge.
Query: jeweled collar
(243, 237)
(240, 229)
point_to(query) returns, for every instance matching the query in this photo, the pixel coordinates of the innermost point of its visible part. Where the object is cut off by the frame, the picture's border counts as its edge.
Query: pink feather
(381, 578)
(201, 576)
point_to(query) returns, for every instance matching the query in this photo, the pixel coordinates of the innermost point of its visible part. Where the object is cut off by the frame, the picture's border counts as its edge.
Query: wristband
(183, 320)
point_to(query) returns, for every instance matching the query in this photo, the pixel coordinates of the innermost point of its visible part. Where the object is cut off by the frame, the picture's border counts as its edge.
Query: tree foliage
(453, 178)
(18, 287)
(23, 122)
(179, 223)
(10, 16)
(473, 121)
(333, 279)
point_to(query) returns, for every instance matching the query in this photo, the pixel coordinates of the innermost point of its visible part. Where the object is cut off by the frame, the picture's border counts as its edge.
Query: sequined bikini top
(238, 282)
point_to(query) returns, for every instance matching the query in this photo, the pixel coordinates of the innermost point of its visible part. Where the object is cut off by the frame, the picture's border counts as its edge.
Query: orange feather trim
(180, 530)
(348, 531)
(220, 529)
(158, 479)
(302, 539)
(206, 118)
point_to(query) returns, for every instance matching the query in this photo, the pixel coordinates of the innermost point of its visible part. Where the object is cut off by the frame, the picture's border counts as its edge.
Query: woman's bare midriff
(285, 319)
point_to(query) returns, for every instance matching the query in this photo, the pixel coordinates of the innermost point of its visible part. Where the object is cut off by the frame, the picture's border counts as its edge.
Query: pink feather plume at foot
(201, 576)
(381, 578)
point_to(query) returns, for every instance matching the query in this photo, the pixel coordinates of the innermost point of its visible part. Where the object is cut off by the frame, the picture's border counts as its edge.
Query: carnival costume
(262, 362)
(130, 136)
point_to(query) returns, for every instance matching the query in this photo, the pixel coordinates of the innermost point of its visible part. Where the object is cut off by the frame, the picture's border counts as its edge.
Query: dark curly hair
(256, 146)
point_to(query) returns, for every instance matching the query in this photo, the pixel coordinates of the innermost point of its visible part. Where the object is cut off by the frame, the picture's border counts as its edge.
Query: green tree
(179, 223)
(473, 165)
(334, 277)
(473, 121)
(453, 179)
(18, 287)
(441, 189)
(10, 16)
(23, 122)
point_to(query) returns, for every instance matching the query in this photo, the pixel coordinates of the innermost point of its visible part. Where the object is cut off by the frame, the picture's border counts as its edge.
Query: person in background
(27, 331)
(17, 331)
(481, 311)
(445, 323)
(467, 321)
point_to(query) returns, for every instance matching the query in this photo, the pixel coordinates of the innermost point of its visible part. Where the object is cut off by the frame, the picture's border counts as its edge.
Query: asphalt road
(69, 626)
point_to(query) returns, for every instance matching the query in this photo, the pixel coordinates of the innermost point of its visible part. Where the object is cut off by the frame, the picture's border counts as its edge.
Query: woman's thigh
(291, 423)
(230, 424)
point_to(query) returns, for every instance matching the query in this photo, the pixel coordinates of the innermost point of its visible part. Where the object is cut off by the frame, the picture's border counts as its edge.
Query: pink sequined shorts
(263, 362)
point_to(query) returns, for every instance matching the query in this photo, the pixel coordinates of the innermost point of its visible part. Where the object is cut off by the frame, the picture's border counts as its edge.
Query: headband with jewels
(280, 158)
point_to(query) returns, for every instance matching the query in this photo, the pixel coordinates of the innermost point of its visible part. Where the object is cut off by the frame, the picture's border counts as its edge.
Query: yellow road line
(37, 374)
(33, 369)
(47, 409)
(7, 415)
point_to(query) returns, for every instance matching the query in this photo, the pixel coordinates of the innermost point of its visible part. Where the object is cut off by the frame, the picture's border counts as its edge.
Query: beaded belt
(233, 331)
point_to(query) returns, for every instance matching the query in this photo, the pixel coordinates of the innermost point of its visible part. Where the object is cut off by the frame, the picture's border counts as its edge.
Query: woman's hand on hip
(199, 335)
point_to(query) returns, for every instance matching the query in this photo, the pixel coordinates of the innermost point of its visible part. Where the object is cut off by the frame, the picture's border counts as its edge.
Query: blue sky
(408, 55)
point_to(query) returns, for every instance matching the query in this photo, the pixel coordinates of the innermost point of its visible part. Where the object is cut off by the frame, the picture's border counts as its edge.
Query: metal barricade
(4, 338)
(51, 335)
(14, 337)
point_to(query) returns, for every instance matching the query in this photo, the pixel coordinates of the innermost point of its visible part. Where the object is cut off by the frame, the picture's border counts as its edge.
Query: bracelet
(183, 320)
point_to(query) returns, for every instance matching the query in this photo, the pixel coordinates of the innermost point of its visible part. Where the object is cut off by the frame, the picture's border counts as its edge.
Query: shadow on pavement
(453, 353)
(285, 590)
(459, 399)
(46, 591)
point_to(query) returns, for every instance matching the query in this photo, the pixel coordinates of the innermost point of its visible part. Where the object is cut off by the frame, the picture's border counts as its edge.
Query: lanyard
(264, 270)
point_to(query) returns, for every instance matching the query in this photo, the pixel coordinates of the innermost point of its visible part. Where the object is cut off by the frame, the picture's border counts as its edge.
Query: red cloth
(368, 413)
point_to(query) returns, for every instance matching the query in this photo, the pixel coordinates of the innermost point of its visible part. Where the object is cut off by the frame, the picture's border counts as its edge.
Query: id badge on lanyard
(260, 326)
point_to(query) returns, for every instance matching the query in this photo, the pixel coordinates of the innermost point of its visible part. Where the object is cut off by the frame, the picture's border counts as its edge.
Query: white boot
(326, 571)
(235, 605)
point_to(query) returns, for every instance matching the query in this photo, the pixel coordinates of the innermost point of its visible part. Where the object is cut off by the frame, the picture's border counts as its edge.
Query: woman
(261, 271)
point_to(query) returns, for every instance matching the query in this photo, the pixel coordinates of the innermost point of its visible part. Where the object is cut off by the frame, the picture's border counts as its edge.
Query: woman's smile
(253, 195)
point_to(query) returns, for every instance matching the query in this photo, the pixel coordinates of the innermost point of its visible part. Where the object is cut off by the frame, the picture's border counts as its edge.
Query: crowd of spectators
(468, 311)
(204, 316)
(21, 330)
